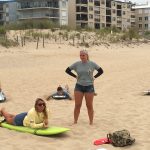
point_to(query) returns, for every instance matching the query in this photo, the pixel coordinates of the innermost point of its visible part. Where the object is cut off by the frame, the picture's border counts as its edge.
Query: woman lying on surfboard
(37, 117)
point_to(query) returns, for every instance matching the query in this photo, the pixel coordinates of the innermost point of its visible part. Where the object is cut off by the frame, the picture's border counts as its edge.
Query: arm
(68, 71)
(99, 72)
(30, 120)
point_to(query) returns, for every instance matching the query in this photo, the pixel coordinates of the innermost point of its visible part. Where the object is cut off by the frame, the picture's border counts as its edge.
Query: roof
(141, 6)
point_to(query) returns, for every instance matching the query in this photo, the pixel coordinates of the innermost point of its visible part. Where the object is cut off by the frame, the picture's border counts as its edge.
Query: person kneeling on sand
(37, 117)
(61, 93)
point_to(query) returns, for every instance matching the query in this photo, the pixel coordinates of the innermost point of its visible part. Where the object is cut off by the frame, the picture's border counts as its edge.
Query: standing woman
(85, 83)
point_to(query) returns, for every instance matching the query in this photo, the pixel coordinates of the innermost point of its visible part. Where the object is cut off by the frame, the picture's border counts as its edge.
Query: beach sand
(27, 73)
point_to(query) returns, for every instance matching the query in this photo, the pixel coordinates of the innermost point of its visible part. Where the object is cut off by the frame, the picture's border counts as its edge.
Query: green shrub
(2, 30)
(8, 43)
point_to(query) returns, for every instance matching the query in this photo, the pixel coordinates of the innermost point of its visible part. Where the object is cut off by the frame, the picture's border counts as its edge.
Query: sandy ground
(27, 73)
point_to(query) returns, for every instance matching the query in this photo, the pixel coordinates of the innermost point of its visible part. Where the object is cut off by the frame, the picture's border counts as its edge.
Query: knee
(89, 107)
(77, 106)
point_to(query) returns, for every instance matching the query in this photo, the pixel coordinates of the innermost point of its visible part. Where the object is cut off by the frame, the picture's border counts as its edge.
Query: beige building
(100, 13)
(142, 13)
(52, 10)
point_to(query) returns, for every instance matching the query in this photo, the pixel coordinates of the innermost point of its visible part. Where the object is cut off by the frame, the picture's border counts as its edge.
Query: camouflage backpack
(120, 138)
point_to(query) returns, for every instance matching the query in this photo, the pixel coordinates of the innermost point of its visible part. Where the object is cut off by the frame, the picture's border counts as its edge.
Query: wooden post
(37, 42)
(24, 42)
(43, 42)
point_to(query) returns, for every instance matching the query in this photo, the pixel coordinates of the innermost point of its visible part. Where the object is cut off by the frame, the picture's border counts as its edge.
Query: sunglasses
(41, 104)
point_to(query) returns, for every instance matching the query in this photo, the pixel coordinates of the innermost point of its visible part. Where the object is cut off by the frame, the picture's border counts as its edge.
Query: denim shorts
(84, 89)
(18, 120)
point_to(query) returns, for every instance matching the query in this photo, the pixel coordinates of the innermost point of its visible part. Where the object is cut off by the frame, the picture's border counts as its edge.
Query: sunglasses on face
(41, 104)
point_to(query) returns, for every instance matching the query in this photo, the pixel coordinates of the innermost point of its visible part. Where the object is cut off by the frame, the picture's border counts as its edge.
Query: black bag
(120, 138)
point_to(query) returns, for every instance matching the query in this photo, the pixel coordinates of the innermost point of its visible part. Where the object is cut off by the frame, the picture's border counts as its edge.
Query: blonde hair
(85, 52)
(45, 109)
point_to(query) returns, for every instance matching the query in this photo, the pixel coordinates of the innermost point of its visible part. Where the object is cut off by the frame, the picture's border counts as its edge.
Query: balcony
(97, 19)
(1, 10)
(81, 9)
(108, 19)
(119, 7)
(81, 1)
(108, 12)
(108, 3)
(119, 13)
(97, 25)
(96, 3)
(81, 17)
(37, 5)
(38, 16)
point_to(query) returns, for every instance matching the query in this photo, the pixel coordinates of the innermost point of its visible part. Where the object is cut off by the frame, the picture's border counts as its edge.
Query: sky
(138, 1)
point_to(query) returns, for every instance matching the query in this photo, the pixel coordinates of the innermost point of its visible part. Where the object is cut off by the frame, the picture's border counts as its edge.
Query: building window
(103, 2)
(124, 12)
(140, 18)
(91, 1)
(146, 11)
(113, 4)
(140, 26)
(7, 14)
(128, 6)
(90, 16)
(146, 26)
(114, 11)
(103, 25)
(90, 8)
(146, 18)
(114, 19)
(63, 4)
(124, 5)
(128, 20)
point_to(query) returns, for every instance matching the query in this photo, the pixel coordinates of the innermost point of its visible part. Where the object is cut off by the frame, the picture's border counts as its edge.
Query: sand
(27, 73)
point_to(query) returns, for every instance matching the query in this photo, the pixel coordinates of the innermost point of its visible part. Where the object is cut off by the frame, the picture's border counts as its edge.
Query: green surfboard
(44, 132)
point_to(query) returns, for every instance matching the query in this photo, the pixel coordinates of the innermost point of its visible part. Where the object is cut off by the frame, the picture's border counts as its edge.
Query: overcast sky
(138, 1)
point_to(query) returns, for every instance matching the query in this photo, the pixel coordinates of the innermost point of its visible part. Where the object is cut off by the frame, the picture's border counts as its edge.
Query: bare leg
(78, 103)
(9, 117)
(89, 104)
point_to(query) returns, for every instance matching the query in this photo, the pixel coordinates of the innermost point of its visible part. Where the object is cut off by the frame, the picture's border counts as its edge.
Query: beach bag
(120, 138)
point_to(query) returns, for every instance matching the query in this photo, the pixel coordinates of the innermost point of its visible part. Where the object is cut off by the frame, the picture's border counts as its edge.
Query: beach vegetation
(49, 32)
(8, 42)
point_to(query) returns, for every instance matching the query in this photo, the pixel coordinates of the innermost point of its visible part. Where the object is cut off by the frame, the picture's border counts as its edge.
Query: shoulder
(77, 63)
(93, 63)
(31, 111)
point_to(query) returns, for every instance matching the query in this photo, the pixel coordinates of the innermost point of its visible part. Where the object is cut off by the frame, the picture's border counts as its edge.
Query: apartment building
(142, 17)
(1, 13)
(7, 12)
(100, 13)
(10, 12)
(52, 10)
